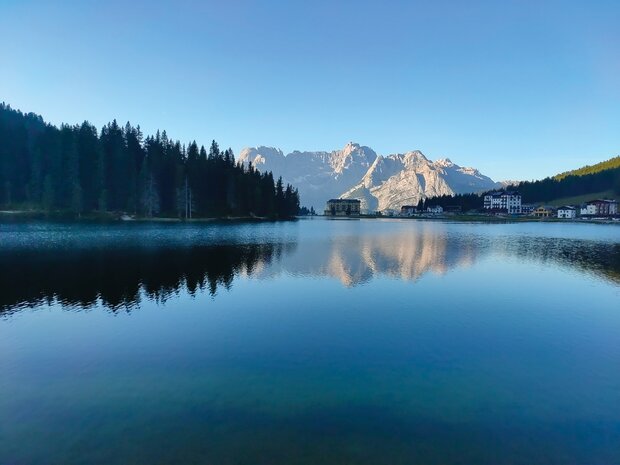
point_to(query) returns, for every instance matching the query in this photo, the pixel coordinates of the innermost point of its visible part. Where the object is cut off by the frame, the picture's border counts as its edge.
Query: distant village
(495, 203)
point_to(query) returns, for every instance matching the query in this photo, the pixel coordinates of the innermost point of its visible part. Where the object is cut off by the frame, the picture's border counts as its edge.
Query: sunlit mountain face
(356, 171)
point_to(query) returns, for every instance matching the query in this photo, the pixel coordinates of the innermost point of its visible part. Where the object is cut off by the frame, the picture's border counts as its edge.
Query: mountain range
(356, 171)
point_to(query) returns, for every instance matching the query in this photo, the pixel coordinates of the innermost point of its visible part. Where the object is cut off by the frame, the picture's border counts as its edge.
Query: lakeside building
(503, 201)
(587, 210)
(567, 212)
(343, 207)
(408, 210)
(600, 207)
(527, 208)
(435, 209)
(544, 211)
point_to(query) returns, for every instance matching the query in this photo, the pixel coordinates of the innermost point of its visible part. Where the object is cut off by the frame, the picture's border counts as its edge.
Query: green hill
(579, 199)
(580, 184)
(602, 166)
(571, 188)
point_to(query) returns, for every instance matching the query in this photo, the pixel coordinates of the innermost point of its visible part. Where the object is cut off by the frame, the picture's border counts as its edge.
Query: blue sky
(519, 89)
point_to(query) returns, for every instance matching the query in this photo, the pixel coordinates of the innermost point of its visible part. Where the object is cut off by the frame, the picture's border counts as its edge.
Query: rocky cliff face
(358, 172)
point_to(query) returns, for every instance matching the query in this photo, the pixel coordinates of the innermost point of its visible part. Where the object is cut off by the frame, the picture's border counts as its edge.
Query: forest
(587, 180)
(602, 177)
(79, 170)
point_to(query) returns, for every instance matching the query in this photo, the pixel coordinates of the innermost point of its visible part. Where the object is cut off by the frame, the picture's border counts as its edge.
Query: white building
(503, 201)
(436, 209)
(567, 212)
(588, 209)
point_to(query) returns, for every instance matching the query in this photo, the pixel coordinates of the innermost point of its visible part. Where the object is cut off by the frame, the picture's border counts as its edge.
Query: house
(503, 201)
(567, 212)
(435, 209)
(587, 209)
(388, 212)
(527, 208)
(544, 211)
(343, 207)
(604, 207)
(408, 210)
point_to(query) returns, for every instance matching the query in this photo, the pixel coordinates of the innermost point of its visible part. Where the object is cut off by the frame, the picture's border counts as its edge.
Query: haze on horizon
(519, 90)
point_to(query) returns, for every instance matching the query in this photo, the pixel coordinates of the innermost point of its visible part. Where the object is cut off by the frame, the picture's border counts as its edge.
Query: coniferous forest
(80, 170)
(589, 180)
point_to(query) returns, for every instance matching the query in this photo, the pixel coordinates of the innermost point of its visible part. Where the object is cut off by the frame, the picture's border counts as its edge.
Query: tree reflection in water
(118, 277)
(93, 271)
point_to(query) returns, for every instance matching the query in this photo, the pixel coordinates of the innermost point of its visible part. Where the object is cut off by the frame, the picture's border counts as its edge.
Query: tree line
(466, 202)
(602, 177)
(612, 163)
(571, 185)
(81, 170)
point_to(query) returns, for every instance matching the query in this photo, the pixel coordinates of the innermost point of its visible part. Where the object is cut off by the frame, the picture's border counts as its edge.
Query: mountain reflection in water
(119, 276)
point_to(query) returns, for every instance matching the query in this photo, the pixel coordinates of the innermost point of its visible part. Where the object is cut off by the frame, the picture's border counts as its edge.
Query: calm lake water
(310, 342)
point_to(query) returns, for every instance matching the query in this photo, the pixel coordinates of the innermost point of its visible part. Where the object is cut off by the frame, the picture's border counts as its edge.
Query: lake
(310, 342)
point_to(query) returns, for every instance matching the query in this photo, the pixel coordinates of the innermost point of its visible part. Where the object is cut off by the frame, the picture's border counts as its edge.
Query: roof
(566, 207)
(344, 200)
(501, 193)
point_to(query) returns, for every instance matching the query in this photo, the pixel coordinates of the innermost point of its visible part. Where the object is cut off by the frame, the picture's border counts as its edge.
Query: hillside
(571, 188)
(586, 181)
(612, 163)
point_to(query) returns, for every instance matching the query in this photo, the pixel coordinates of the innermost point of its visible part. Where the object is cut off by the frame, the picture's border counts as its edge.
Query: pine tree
(78, 169)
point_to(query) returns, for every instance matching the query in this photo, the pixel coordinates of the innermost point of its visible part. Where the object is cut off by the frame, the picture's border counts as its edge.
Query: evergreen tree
(76, 169)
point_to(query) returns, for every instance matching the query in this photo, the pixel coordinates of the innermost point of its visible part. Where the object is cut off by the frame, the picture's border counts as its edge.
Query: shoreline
(124, 218)
(26, 215)
(482, 219)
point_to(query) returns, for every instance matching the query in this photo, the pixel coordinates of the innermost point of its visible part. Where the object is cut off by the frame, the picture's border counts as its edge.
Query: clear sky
(518, 89)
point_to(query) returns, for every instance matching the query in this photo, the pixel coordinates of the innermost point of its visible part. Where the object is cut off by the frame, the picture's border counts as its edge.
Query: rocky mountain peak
(356, 171)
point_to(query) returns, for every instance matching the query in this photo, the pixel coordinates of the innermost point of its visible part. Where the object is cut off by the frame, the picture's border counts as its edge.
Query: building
(567, 212)
(435, 209)
(527, 208)
(388, 212)
(544, 211)
(587, 209)
(603, 207)
(503, 201)
(343, 207)
(408, 210)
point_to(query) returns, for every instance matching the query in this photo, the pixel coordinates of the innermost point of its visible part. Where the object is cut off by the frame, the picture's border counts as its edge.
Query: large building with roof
(343, 207)
(503, 201)
(600, 207)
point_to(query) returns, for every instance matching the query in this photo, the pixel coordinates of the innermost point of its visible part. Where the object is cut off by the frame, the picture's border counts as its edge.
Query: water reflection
(117, 274)
(408, 255)
(120, 277)
(601, 259)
